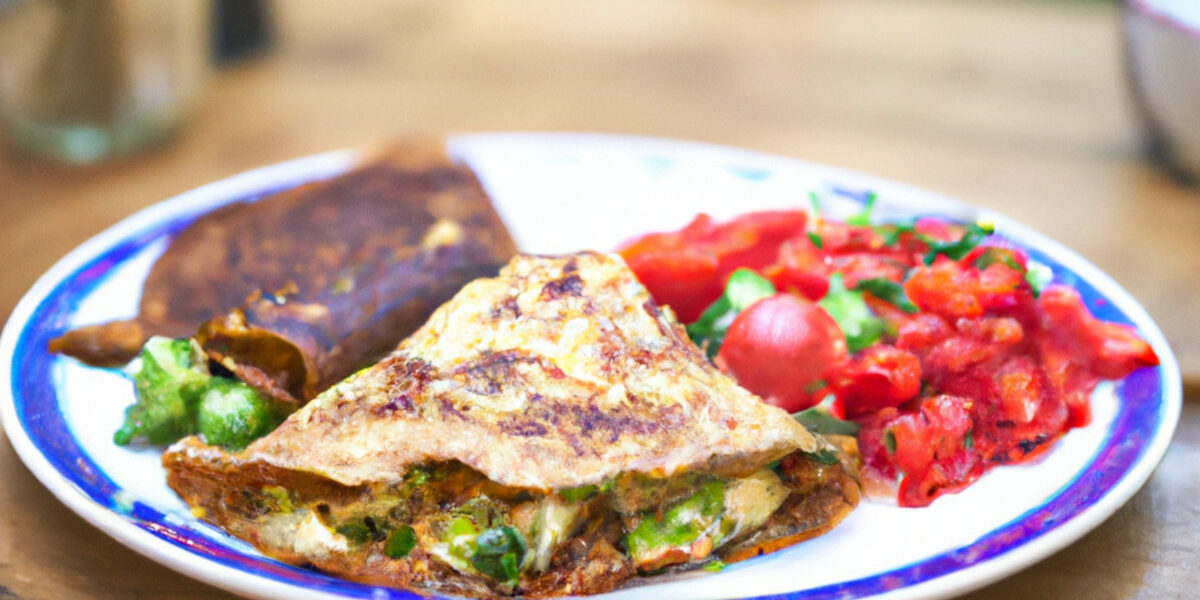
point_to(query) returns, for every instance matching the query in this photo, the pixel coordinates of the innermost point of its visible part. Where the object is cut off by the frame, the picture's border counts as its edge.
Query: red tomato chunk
(983, 371)
(687, 269)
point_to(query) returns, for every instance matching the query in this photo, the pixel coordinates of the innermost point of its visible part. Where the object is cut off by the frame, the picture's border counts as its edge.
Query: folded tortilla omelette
(295, 291)
(550, 431)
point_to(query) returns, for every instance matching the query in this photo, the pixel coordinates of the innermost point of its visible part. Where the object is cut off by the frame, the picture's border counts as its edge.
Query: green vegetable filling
(680, 525)
(231, 414)
(400, 542)
(477, 538)
(499, 552)
(177, 396)
(578, 494)
(356, 533)
(163, 412)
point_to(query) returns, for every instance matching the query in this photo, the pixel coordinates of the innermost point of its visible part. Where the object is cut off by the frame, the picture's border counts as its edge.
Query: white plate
(559, 193)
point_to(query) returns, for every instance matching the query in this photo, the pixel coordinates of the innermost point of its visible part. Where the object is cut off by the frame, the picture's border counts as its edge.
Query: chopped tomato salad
(946, 351)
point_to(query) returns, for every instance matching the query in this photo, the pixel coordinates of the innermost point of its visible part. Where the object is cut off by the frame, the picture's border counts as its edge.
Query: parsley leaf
(745, 287)
(891, 232)
(814, 202)
(861, 327)
(1038, 275)
(956, 249)
(816, 240)
(993, 255)
(818, 419)
(889, 291)
(863, 219)
(826, 457)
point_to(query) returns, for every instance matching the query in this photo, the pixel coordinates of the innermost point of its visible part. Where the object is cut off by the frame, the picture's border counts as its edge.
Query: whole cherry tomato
(784, 348)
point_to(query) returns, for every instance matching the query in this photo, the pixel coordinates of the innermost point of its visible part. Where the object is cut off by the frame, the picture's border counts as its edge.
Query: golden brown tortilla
(559, 373)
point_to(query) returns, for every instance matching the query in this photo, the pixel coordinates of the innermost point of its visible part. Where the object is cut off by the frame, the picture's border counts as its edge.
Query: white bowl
(1162, 50)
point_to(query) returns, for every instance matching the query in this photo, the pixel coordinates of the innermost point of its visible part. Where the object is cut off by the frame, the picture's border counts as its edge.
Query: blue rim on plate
(1144, 421)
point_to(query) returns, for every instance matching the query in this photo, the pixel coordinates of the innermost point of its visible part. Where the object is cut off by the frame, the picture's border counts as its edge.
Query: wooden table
(1017, 106)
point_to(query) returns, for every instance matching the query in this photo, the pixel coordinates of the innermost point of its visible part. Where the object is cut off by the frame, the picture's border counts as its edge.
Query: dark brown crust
(106, 345)
(293, 350)
(227, 492)
(823, 495)
(588, 564)
(321, 280)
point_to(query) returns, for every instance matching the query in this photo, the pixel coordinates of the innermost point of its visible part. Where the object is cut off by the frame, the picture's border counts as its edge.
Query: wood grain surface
(1017, 105)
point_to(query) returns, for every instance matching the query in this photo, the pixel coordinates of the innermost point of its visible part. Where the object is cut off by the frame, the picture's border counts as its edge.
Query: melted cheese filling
(668, 521)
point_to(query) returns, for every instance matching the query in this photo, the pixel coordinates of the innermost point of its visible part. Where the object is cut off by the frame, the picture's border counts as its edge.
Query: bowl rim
(1162, 17)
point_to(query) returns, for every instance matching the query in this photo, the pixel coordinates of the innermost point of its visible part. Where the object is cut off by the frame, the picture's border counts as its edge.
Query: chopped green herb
(828, 457)
(956, 249)
(460, 536)
(863, 219)
(969, 440)
(745, 287)
(400, 542)
(715, 565)
(816, 240)
(1038, 276)
(813, 387)
(891, 232)
(992, 255)
(814, 202)
(861, 327)
(889, 291)
(889, 441)
(418, 476)
(819, 420)
(577, 494)
(343, 285)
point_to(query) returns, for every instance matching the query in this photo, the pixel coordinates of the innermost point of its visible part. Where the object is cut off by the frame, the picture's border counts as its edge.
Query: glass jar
(86, 80)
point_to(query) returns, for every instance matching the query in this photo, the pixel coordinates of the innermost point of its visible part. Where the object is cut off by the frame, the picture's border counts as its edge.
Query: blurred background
(1076, 117)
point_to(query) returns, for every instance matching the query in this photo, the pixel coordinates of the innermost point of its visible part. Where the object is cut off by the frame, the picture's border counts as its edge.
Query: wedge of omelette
(549, 431)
